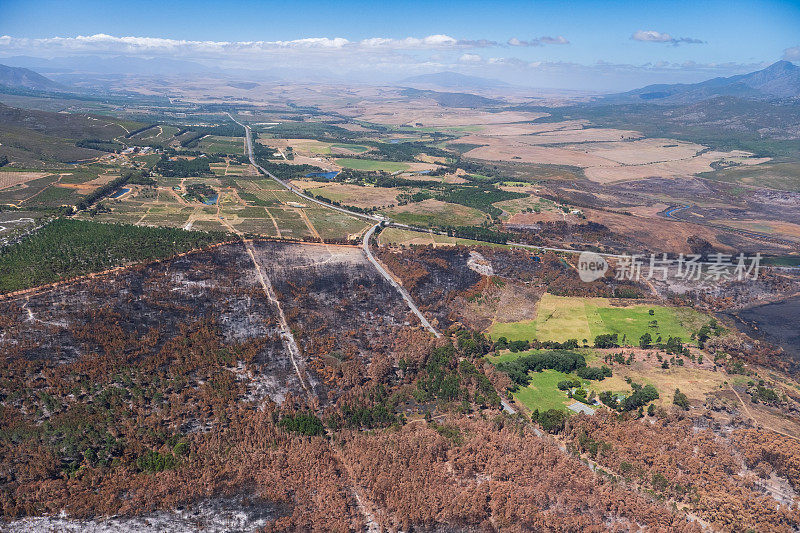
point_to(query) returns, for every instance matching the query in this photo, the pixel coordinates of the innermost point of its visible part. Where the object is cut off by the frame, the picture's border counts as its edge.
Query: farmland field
(406, 238)
(351, 147)
(222, 145)
(560, 318)
(351, 194)
(543, 393)
(369, 164)
(435, 212)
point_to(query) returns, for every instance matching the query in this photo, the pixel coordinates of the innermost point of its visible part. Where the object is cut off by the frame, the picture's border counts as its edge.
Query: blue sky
(579, 44)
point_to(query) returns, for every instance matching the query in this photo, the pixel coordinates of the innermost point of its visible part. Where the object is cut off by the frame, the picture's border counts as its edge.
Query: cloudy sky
(576, 45)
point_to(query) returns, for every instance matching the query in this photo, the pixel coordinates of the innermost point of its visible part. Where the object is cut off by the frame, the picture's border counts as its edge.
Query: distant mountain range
(22, 78)
(447, 99)
(453, 80)
(779, 80)
(107, 65)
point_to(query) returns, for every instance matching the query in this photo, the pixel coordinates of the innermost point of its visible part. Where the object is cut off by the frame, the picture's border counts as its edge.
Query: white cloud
(554, 40)
(153, 45)
(652, 36)
(517, 42)
(540, 41)
(792, 54)
(470, 58)
(411, 43)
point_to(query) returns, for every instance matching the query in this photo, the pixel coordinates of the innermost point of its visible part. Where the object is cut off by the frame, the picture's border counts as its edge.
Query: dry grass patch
(656, 231)
(771, 227)
(347, 194)
(513, 149)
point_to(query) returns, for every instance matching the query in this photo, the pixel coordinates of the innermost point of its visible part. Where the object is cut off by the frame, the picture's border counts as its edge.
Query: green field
(221, 145)
(352, 147)
(406, 237)
(776, 175)
(543, 393)
(369, 164)
(560, 318)
(435, 213)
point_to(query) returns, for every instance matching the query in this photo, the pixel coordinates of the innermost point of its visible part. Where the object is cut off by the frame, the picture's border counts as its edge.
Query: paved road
(507, 407)
(367, 235)
(365, 243)
(249, 141)
(518, 244)
(394, 284)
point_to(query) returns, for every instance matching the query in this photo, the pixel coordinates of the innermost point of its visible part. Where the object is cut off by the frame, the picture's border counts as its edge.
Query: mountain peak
(782, 65)
(779, 80)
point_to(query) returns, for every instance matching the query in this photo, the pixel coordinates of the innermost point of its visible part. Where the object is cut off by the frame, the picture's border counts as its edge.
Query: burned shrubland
(470, 285)
(343, 314)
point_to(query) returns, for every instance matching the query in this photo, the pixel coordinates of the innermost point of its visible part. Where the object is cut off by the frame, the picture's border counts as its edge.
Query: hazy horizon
(588, 47)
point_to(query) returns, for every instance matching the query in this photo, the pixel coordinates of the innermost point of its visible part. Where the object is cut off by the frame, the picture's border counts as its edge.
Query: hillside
(779, 80)
(31, 137)
(446, 99)
(22, 78)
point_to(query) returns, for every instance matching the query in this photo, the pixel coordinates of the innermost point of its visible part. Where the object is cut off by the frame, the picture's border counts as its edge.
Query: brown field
(444, 213)
(433, 115)
(571, 131)
(647, 210)
(776, 227)
(681, 168)
(447, 178)
(518, 149)
(528, 219)
(670, 234)
(584, 135)
(642, 152)
(89, 186)
(9, 179)
(354, 195)
(606, 162)
(502, 130)
(696, 381)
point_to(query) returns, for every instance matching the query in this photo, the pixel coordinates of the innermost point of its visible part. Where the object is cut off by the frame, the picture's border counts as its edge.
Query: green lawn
(561, 318)
(369, 164)
(543, 393)
(514, 331)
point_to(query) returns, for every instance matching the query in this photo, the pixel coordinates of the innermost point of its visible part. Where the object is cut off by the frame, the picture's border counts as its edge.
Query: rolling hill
(445, 99)
(777, 81)
(22, 78)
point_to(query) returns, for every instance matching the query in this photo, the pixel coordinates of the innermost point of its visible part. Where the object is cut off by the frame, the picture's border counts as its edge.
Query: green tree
(645, 341)
(552, 420)
(680, 400)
